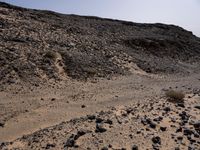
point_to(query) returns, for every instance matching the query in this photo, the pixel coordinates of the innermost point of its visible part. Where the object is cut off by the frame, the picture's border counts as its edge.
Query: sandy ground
(30, 110)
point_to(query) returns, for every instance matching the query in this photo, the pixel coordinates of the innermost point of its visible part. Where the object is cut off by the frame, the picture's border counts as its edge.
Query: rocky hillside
(39, 45)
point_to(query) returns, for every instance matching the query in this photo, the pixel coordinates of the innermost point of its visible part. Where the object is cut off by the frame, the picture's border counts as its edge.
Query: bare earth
(72, 82)
(27, 113)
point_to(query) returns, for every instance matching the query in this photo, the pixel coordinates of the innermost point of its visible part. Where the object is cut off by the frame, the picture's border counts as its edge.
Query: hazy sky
(185, 13)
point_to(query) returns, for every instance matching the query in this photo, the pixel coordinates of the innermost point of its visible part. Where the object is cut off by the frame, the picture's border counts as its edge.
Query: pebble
(158, 119)
(91, 117)
(167, 109)
(197, 106)
(49, 145)
(104, 148)
(152, 124)
(197, 125)
(187, 131)
(163, 128)
(99, 120)
(100, 128)
(134, 147)
(108, 121)
(156, 140)
(2, 124)
(181, 105)
(83, 106)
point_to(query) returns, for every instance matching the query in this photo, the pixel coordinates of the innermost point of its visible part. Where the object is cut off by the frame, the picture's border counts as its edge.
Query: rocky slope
(39, 45)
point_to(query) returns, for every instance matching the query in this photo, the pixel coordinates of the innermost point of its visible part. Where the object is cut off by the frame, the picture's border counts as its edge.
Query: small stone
(53, 99)
(99, 120)
(152, 124)
(180, 138)
(91, 117)
(177, 148)
(156, 140)
(167, 109)
(110, 146)
(187, 131)
(155, 146)
(196, 125)
(80, 133)
(138, 131)
(83, 106)
(196, 134)
(2, 124)
(100, 128)
(49, 145)
(197, 106)
(104, 148)
(108, 121)
(158, 119)
(181, 105)
(163, 128)
(179, 130)
(131, 136)
(134, 147)
(190, 147)
(70, 142)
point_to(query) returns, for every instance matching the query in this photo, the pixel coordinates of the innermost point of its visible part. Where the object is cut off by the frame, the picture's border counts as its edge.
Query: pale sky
(184, 13)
